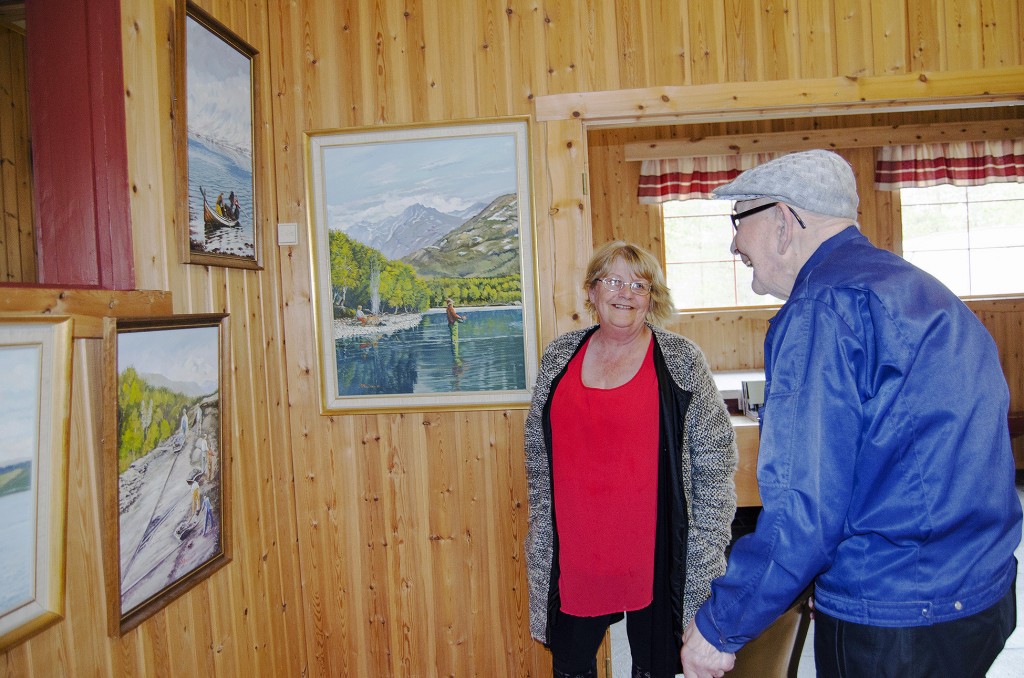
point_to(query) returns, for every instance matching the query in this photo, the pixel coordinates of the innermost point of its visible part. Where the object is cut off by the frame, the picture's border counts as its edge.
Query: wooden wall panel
(391, 544)
(17, 231)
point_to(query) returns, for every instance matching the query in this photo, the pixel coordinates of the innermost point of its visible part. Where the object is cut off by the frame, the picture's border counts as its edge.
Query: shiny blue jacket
(885, 466)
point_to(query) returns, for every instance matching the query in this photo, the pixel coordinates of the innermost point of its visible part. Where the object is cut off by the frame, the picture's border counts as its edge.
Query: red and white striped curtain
(963, 163)
(687, 178)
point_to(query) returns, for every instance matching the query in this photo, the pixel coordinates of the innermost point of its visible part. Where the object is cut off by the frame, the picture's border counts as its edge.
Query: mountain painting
(219, 121)
(424, 266)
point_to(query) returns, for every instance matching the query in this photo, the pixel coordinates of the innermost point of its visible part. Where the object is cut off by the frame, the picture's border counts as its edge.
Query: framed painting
(35, 405)
(166, 469)
(215, 117)
(423, 266)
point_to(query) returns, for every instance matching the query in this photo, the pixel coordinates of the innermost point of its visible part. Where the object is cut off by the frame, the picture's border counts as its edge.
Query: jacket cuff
(709, 629)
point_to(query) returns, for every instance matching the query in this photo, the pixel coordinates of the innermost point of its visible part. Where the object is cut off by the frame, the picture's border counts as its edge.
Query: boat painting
(218, 185)
(214, 217)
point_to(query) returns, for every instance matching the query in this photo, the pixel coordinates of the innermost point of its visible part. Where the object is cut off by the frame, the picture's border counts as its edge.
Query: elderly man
(885, 466)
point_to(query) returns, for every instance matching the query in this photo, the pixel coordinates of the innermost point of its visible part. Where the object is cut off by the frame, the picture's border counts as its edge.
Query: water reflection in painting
(483, 353)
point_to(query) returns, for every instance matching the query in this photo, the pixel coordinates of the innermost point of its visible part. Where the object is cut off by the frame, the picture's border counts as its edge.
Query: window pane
(951, 267)
(973, 245)
(996, 223)
(696, 239)
(934, 227)
(701, 285)
(997, 271)
(700, 270)
(689, 208)
(1010, 191)
(931, 195)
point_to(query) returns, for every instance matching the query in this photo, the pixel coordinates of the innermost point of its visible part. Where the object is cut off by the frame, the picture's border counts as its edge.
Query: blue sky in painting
(19, 402)
(218, 88)
(188, 355)
(374, 181)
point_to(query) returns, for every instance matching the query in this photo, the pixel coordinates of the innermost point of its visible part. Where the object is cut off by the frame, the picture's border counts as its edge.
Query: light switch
(287, 234)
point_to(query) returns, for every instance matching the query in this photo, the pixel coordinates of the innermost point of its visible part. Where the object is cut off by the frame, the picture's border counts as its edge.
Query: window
(700, 269)
(971, 238)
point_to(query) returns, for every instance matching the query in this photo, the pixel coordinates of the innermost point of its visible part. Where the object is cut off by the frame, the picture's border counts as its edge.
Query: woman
(630, 457)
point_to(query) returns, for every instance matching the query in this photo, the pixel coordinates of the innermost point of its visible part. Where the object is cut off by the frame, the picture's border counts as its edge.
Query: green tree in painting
(402, 289)
(362, 275)
(344, 270)
(137, 401)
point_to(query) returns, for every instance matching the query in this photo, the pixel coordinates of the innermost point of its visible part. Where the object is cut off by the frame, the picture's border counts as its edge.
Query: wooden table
(748, 440)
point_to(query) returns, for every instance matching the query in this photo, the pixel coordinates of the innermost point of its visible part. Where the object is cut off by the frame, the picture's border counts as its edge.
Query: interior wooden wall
(391, 544)
(17, 241)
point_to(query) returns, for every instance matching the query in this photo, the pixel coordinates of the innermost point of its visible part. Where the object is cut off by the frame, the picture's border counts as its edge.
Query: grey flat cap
(818, 181)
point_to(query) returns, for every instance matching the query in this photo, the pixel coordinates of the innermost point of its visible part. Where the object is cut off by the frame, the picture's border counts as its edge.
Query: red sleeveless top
(605, 475)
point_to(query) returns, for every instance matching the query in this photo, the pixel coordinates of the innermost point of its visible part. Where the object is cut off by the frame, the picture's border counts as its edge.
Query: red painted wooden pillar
(79, 152)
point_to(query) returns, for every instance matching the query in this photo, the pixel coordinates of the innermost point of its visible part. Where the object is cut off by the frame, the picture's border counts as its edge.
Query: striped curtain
(687, 178)
(964, 163)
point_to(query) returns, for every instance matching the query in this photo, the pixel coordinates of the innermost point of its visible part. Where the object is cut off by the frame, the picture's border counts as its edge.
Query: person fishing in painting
(453, 327)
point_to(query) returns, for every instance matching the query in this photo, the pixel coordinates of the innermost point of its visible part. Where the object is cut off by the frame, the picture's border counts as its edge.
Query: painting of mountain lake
(219, 113)
(35, 387)
(170, 461)
(423, 266)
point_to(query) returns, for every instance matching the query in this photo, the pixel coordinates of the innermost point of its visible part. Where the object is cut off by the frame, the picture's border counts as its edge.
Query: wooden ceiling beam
(786, 98)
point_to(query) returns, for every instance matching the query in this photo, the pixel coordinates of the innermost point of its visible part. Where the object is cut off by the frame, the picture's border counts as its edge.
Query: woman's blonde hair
(642, 264)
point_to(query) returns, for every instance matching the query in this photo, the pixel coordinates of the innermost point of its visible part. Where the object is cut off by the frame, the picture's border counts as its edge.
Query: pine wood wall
(17, 244)
(390, 544)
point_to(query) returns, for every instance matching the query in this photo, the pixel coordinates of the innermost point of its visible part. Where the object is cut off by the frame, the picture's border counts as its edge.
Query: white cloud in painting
(185, 356)
(374, 181)
(218, 88)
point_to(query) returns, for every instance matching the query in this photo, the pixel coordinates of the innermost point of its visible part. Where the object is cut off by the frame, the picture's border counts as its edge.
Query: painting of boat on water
(170, 506)
(35, 387)
(424, 266)
(217, 142)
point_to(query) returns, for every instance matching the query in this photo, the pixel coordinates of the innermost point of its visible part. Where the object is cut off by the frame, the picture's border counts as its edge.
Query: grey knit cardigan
(708, 471)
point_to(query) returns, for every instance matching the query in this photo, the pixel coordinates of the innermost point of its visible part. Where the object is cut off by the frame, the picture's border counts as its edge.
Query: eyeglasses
(637, 286)
(761, 208)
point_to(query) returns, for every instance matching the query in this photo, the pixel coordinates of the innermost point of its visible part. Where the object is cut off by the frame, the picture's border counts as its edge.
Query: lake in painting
(16, 555)
(487, 354)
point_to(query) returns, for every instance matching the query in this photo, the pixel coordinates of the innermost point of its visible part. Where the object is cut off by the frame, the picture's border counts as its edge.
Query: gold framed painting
(166, 468)
(35, 405)
(423, 266)
(216, 116)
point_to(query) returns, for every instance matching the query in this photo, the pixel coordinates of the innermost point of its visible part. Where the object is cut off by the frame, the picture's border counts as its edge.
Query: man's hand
(701, 659)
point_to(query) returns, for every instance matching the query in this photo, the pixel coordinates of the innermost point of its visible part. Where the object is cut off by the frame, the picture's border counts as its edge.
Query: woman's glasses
(637, 286)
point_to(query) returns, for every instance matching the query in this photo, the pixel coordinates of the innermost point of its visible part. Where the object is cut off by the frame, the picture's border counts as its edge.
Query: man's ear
(787, 227)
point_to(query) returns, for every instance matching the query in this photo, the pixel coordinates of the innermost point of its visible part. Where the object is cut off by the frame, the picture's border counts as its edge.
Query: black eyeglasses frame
(761, 208)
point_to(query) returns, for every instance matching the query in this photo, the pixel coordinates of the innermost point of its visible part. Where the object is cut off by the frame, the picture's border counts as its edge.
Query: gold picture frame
(35, 407)
(403, 220)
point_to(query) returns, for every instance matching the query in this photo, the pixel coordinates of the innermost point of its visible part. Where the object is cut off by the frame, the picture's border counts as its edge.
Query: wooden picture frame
(35, 415)
(215, 118)
(166, 460)
(403, 219)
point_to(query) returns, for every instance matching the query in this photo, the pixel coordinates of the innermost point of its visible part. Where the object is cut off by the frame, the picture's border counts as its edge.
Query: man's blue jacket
(885, 466)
